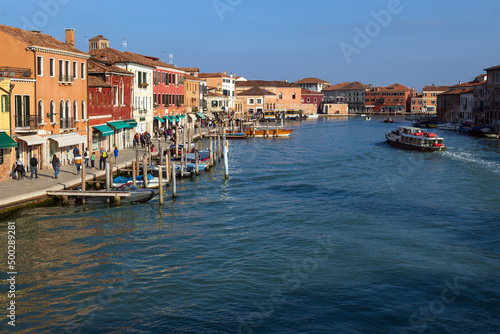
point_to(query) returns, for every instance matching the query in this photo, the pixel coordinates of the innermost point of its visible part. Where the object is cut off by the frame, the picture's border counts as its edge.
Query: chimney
(460, 82)
(224, 72)
(70, 36)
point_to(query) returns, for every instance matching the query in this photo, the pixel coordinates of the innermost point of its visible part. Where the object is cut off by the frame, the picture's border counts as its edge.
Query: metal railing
(66, 78)
(66, 123)
(25, 122)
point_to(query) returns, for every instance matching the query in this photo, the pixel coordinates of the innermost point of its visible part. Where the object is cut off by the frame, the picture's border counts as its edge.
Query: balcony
(26, 122)
(66, 123)
(66, 79)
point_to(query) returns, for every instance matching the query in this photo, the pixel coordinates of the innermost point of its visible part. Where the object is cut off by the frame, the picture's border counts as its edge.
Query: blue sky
(413, 42)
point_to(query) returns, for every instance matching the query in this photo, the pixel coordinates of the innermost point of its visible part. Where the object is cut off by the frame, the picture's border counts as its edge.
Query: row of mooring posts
(218, 150)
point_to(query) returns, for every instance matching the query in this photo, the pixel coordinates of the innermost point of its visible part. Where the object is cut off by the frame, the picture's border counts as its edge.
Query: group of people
(143, 138)
(19, 169)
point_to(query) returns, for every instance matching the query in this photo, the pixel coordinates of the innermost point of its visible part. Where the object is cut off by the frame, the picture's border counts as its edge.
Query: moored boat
(388, 120)
(448, 126)
(271, 131)
(368, 118)
(412, 138)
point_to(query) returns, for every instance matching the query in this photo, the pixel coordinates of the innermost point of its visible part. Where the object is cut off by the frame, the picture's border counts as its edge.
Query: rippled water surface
(328, 231)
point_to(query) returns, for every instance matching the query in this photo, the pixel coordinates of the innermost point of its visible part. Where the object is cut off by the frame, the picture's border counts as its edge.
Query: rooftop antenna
(124, 44)
(164, 60)
(171, 58)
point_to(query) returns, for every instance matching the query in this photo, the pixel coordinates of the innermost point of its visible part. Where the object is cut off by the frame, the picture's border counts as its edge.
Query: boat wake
(471, 158)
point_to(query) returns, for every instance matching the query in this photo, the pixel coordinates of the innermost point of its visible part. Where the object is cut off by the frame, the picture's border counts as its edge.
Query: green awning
(159, 119)
(132, 123)
(395, 107)
(6, 141)
(104, 130)
(175, 118)
(201, 115)
(118, 125)
(168, 118)
(182, 116)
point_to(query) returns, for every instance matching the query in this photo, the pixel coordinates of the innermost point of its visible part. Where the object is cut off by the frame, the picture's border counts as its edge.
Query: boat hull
(406, 146)
(272, 133)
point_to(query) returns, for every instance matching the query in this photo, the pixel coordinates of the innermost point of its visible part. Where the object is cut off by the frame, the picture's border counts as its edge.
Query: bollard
(108, 177)
(167, 166)
(196, 163)
(160, 182)
(84, 178)
(145, 170)
(134, 173)
(226, 163)
(174, 184)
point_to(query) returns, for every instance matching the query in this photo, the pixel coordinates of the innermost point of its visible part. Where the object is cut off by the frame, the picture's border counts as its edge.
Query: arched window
(68, 114)
(61, 114)
(75, 110)
(293, 96)
(83, 109)
(52, 111)
(40, 111)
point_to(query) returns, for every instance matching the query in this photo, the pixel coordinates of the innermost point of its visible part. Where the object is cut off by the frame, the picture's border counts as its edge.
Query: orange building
(48, 105)
(288, 96)
(253, 101)
(191, 93)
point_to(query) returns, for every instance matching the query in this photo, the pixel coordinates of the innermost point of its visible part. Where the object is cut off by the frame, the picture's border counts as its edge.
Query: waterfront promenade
(14, 193)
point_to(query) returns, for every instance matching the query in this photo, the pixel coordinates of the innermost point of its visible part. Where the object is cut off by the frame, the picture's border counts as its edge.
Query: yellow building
(7, 144)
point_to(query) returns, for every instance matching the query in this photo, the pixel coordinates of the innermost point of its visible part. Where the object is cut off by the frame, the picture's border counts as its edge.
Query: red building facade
(395, 98)
(311, 97)
(110, 100)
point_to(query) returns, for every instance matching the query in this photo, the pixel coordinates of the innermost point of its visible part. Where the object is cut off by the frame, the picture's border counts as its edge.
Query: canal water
(328, 231)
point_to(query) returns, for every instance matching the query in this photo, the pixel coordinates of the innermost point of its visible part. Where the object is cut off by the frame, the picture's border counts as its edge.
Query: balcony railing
(66, 123)
(66, 79)
(26, 122)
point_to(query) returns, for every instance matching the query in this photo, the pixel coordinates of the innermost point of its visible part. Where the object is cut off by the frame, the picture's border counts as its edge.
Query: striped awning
(69, 140)
(32, 140)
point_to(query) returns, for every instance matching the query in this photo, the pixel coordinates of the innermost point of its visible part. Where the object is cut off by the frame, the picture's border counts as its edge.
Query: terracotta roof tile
(492, 68)
(189, 69)
(38, 39)
(435, 88)
(309, 92)
(98, 37)
(213, 75)
(263, 83)
(311, 81)
(190, 77)
(356, 85)
(95, 81)
(255, 91)
(94, 66)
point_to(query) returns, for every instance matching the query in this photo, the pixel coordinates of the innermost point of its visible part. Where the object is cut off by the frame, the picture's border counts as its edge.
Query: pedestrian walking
(56, 164)
(76, 151)
(34, 166)
(115, 152)
(92, 160)
(86, 157)
(102, 159)
(143, 140)
(20, 169)
(78, 163)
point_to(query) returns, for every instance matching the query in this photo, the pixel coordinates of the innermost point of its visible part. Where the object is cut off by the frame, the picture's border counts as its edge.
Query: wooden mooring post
(84, 179)
(174, 183)
(134, 173)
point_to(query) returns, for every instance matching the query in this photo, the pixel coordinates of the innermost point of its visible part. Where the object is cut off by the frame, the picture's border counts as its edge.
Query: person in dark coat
(34, 166)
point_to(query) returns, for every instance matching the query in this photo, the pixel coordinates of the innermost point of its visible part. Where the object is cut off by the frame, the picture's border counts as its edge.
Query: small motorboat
(137, 195)
(449, 126)
(152, 182)
(235, 135)
(388, 120)
(368, 118)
